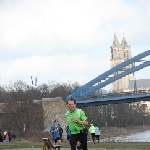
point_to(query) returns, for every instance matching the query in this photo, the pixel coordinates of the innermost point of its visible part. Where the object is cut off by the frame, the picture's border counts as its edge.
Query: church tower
(120, 53)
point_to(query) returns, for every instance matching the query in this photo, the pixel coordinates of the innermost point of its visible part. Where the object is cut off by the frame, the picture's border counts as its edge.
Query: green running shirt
(80, 116)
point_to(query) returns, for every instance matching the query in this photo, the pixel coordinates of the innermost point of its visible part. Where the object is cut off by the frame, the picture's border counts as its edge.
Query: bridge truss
(90, 93)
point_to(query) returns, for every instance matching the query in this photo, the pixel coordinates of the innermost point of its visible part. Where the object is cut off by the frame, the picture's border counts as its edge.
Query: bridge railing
(116, 94)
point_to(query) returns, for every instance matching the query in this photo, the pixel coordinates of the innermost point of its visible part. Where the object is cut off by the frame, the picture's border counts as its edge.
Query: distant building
(141, 84)
(120, 53)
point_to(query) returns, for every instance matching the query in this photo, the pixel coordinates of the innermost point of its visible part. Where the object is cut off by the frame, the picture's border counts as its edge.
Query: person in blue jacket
(97, 132)
(55, 132)
(68, 133)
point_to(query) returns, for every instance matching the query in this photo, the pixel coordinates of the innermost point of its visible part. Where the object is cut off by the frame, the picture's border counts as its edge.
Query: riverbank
(108, 132)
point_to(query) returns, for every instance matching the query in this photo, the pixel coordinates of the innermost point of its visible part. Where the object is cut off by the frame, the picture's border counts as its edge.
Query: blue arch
(83, 93)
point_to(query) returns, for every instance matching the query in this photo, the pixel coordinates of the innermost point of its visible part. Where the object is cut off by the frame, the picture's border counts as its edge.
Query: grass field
(101, 146)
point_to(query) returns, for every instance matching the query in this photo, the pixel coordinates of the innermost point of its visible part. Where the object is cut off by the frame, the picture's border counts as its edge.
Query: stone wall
(53, 108)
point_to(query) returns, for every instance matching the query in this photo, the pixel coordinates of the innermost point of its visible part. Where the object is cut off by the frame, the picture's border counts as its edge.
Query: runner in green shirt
(77, 119)
(5, 132)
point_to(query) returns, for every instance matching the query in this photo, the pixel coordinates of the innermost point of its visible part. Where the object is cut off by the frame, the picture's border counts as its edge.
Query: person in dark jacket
(60, 131)
(10, 136)
(68, 133)
(14, 136)
(1, 137)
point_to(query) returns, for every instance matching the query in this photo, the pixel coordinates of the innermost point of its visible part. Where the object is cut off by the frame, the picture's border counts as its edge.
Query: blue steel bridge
(91, 94)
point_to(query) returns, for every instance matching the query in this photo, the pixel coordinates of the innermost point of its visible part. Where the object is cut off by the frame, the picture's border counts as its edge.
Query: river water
(136, 137)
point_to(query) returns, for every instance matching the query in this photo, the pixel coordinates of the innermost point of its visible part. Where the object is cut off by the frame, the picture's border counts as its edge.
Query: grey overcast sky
(68, 40)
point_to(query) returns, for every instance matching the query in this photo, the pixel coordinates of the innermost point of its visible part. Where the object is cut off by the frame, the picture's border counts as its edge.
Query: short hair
(55, 121)
(72, 100)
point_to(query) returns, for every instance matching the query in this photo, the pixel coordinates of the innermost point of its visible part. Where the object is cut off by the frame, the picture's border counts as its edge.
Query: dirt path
(61, 149)
(139, 143)
(69, 149)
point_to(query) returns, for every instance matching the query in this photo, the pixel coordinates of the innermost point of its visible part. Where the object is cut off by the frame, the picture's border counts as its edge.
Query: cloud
(77, 23)
(61, 68)
(67, 40)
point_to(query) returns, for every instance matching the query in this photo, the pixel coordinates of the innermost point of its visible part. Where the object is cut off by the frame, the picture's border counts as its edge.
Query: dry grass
(37, 136)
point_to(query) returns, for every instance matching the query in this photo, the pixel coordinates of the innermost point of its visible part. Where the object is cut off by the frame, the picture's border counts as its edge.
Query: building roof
(124, 43)
(115, 42)
(141, 83)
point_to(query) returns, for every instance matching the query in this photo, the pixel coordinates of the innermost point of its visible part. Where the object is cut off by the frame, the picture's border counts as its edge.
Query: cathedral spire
(124, 43)
(115, 42)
